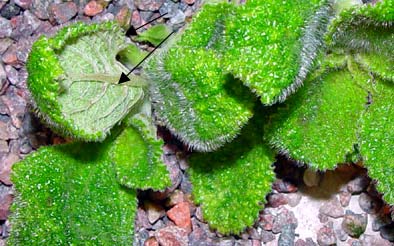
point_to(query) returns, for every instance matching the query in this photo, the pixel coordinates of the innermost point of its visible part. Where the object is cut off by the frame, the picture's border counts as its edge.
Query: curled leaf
(73, 80)
(191, 95)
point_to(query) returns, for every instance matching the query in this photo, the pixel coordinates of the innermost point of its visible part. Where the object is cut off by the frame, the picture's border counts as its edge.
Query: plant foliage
(201, 87)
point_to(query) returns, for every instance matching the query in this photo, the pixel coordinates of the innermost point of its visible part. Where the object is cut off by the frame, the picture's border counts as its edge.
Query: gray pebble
(10, 10)
(355, 224)
(5, 28)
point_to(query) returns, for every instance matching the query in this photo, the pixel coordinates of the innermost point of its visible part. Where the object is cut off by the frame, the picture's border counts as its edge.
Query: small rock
(189, 2)
(159, 224)
(276, 199)
(332, 208)
(5, 28)
(3, 75)
(341, 234)
(151, 242)
(180, 215)
(141, 236)
(322, 218)
(286, 238)
(93, 8)
(12, 74)
(307, 242)
(344, 198)
(24, 4)
(387, 232)
(266, 221)
(267, 236)
(369, 204)
(326, 236)
(172, 236)
(4, 44)
(10, 10)
(226, 241)
(40, 8)
(311, 178)
(9, 57)
(284, 186)
(355, 224)
(154, 211)
(5, 203)
(63, 12)
(380, 221)
(175, 197)
(284, 217)
(354, 242)
(3, 146)
(168, 7)
(149, 5)
(6, 163)
(358, 184)
(243, 242)
(370, 240)
(123, 16)
(178, 18)
(293, 199)
(29, 19)
(142, 220)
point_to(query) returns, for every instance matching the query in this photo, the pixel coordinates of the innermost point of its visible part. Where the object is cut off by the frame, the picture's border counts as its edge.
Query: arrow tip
(123, 78)
(131, 31)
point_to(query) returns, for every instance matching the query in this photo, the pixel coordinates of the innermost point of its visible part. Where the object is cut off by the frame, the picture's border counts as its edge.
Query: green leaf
(380, 64)
(377, 138)
(68, 195)
(137, 152)
(231, 183)
(131, 56)
(191, 96)
(364, 28)
(271, 45)
(73, 76)
(319, 124)
(155, 34)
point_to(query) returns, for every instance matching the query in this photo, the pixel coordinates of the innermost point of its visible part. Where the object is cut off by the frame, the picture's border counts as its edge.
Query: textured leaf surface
(231, 183)
(155, 34)
(192, 97)
(136, 154)
(73, 76)
(377, 138)
(319, 124)
(68, 195)
(272, 44)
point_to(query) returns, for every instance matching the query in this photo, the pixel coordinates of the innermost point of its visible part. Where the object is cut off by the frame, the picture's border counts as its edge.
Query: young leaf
(155, 34)
(68, 195)
(73, 76)
(191, 96)
(271, 45)
(318, 125)
(136, 154)
(231, 183)
(131, 56)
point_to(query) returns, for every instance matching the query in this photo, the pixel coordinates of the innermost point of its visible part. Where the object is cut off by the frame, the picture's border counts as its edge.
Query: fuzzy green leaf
(155, 34)
(380, 64)
(68, 195)
(231, 183)
(364, 28)
(377, 138)
(73, 76)
(318, 125)
(191, 96)
(272, 44)
(136, 154)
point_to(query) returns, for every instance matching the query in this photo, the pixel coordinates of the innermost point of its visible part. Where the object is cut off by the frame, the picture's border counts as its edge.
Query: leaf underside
(191, 95)
(231, 183)
(68, 195)
(271, 44)
(73, 76)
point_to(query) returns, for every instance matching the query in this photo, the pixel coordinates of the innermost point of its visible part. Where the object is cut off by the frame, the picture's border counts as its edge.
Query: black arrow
(124, 77)
(133, 31)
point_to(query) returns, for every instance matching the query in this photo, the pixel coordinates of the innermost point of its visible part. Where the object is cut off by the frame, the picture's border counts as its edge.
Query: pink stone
(93, 8)
(180, 215)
